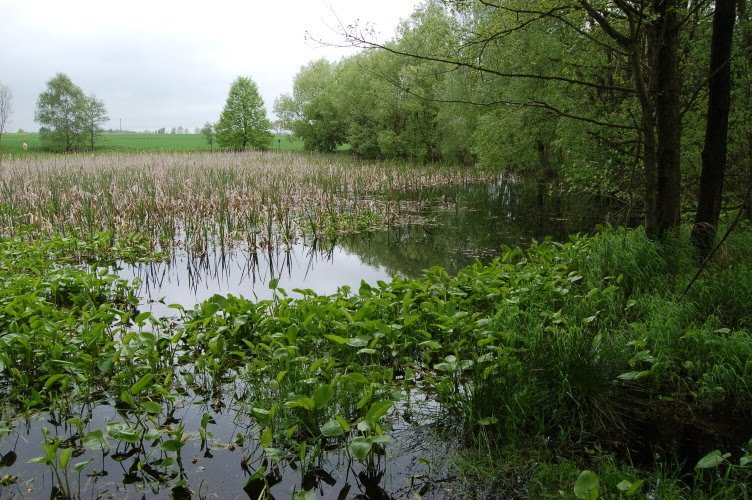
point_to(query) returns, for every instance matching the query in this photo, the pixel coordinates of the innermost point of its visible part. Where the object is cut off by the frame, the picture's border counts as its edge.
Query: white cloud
(168, 63)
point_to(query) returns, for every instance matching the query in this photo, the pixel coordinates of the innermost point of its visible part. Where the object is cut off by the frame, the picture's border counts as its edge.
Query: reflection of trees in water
(464, 224)
(226, 267)
(475, 221)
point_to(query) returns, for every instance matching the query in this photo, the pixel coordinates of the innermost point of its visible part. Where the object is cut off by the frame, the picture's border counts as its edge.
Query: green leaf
(322, 395)
(587, 485)
(378, 410)
(266, 437)
(343, 423)
(151, 407)
(261, 415)
(172, 445)
(712, 459)
(78, 467)
(273, 283)
(142, 383)
(301, 402)
(96, 440)
(123, 433)
(361, 447)
(273, 454)
(53, 378)
(336, 338)
(65, 457)
(332, 428)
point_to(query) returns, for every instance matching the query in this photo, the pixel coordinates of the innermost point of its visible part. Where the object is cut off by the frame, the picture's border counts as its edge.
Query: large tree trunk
(664, 40)
(716, 128)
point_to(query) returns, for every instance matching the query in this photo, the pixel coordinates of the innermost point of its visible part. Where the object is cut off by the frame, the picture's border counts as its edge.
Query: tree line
(638, 98)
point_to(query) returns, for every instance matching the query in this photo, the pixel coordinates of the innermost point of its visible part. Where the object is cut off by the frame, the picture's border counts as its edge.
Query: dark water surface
(457, 226)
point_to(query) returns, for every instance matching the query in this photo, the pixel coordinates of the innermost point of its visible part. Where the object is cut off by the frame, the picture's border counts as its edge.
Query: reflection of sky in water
(188, 281)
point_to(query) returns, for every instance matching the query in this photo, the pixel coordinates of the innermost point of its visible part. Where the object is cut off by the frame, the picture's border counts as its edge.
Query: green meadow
(137, 142)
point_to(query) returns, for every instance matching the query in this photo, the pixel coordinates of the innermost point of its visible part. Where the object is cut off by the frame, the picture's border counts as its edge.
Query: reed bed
(192, 199)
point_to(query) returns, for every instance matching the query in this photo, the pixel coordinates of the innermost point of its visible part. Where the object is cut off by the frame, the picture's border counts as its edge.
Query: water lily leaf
(361, 447)
(712, 459)
(587, 486)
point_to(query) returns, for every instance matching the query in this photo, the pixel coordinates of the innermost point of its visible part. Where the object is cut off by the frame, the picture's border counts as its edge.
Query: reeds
(264, 199)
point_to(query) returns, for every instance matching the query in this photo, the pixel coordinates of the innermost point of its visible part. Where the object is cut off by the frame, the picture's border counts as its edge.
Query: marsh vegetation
(532, 364)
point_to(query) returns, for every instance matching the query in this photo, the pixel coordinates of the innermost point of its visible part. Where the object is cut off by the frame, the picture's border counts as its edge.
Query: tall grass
(190, 199)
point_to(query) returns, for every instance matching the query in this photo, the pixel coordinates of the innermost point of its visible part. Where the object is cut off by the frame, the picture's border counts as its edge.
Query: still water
(457, 226)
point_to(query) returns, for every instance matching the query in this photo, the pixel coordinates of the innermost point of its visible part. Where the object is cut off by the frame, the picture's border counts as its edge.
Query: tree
(311, 113)
(94, 114)
(6, 108)
(208, 133)
(243, 123)
(716, 129)
(60, 111)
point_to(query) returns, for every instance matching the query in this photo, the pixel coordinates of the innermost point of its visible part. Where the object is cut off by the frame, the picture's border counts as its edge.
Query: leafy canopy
(243, 123)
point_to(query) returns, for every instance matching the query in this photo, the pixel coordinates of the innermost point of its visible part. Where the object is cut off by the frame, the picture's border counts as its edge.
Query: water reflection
(458, 226)
(188, 279)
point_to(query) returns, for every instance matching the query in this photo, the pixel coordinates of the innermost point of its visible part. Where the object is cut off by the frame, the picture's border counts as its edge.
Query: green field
(133, 142)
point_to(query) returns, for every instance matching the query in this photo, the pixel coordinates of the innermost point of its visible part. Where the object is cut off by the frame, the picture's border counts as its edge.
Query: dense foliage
(588, 343)
(608, 95)
(243, 123)
(69, 119)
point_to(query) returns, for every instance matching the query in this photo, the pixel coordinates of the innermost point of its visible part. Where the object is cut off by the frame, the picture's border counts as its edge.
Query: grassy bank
(134, 142)
(579, 368)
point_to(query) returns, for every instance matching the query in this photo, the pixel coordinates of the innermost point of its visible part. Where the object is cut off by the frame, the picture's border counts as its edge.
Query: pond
(216, 450)
(455, 226)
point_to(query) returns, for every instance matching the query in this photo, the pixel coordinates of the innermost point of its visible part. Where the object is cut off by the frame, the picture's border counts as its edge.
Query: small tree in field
(208, 132)
(6, 108)
(94, 115)
(243, 123)
(60, 112)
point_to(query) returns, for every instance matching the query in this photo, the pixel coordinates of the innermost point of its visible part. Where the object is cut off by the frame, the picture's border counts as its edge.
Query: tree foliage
(209, 135)
(607, 95)
(68, 118)
(243, 123)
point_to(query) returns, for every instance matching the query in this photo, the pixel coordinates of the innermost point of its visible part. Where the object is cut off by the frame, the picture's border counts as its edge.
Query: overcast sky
(165, 63)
